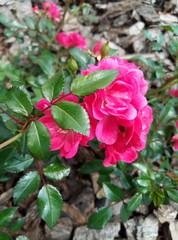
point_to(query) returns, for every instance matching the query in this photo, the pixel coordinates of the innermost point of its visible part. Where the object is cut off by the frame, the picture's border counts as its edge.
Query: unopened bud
(72, 65)
(104, 50)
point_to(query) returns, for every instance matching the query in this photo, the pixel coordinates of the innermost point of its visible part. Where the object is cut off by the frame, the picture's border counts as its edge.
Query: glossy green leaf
(70, 115)
(22, 238)
(141, 167)
(4, 236)
(49, 204)
(167, 113)
(38, 140)
(144, 181)
(18, 101)
(53, 87)
(27, 185)
(134, 202)
(171, 28)
(30, 22)
(56, 171)
(18, 163)
(124, 213)
(81, 57)
(17, 225)
(100, 218)
(85, 85)
(6, 216)
(112, 192)
(173, 194)
(91, 166)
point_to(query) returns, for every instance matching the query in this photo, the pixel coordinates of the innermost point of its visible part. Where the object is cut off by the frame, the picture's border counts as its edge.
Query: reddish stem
(13, 118)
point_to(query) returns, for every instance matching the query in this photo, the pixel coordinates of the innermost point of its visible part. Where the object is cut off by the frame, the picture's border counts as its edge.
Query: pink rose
(67, 141)
(71, 40)
(52, 10)
(97, 48)
(121, 111)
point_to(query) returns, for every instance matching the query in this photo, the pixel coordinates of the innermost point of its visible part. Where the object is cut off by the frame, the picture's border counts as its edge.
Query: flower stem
(173, 80)
(13, 139)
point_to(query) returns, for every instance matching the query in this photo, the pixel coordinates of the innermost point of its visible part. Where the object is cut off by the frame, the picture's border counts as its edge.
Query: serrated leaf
(38, 140)
(18, 163)
(53, 87)
(27, 185)
(92, 82)
(124, 213)
(49, 204)
(56, 171)
(17, 101)
(81, 57)
(17, 225)
(70, 115)
(100, 218)
(173, 194)
(112, 192)
(134, 202)
(4, 236)
(6, 216)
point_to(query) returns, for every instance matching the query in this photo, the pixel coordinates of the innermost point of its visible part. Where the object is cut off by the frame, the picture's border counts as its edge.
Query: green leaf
(22, 238)
(30, 22)
(27, 185)
(112, 192)
(70, 115)
(38, 140)
(17, 225)
(90, 83)
(4, 20)
(141, 167)
(173, 194)
(144, 181)
(18, 101)
(81, 57)
(124, 213)
(49, 204)
(18, 163)
(91, 166)
(100, 218)
(56, 171)
(4, 236)
(6, 216)
(168, 113)
(170, 28)
(53, 87)
(134, 202)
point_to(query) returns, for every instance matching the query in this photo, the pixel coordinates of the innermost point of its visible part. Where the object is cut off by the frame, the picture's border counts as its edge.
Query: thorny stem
(173, 80)
(40, 171)
(6, 143)
(13, 118)
(26, 125)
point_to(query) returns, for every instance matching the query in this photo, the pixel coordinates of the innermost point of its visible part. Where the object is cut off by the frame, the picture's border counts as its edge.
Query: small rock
(148, 13)
(147, 229)
(6, 2)
(121, 20)
(136, 28)
(116, 208)
(23, 8)
(174, 230)
(130, 227)
(166, 213)
(62, 230)
(168, 19)
(108, 233)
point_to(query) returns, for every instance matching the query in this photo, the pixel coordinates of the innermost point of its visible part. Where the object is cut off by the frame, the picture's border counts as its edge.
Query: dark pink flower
(71, 40)
(121, 111)
(67, 141)
(97, 48)
(52, 10)
(35, 9)
(175, 138)
(173, 92)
